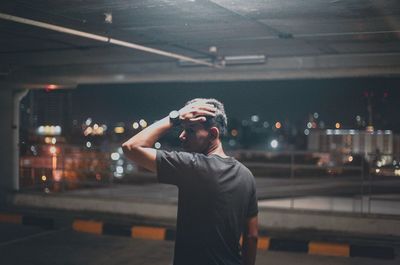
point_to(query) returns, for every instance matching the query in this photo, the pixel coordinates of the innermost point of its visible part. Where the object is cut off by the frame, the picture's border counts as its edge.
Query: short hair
(219, 120)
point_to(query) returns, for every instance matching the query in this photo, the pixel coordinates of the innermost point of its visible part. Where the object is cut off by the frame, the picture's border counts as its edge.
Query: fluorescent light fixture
(245, 59)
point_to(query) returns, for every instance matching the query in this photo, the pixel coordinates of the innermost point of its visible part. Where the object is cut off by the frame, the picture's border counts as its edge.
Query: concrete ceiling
(299, 39)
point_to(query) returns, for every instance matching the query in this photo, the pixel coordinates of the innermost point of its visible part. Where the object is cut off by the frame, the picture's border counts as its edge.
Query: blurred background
(318, 144)
(311, 89)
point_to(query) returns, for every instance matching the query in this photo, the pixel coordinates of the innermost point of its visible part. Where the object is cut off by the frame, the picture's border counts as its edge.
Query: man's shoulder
(178, 156)
(244, 168)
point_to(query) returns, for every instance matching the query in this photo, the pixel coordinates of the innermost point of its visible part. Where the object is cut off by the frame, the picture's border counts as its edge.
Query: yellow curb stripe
(329, 249)
(144, 232)
(86, 226)
(11, 218)
(263, 243)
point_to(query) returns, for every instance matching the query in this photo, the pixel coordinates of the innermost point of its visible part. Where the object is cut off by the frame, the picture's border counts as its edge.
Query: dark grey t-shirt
(216, 195)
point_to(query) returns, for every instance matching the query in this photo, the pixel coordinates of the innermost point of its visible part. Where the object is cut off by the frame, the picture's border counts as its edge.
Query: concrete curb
(165, 233)
(288, 219)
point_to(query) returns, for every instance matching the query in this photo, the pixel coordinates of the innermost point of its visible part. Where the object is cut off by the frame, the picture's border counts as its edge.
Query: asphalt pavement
(31, 245)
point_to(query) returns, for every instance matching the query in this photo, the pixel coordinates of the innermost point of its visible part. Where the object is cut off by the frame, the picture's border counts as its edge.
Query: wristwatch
(174, 118)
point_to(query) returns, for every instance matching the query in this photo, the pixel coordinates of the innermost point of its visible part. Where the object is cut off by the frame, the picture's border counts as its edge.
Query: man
(217, 199)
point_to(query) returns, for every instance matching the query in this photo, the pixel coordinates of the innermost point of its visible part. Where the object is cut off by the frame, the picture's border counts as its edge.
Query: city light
(100, 131)
(119, 130)
(88, 121)
(306, 131)
(88, 131)
(88, 144)
(135, 125)
(115, 156)
(274, 143)
(337, 125)
(157, 145)
(316, 115)
(50, 87)
(95, 130)
(57, 130)
(309, 125)
(350, 159)
(130, 168)
(44, 178)
(120, 151)
(370, 129)
(49, 130)
(278, 125)
(234, 132)
(143, 123)
(53, 150)
(120, 169)
(255, 118)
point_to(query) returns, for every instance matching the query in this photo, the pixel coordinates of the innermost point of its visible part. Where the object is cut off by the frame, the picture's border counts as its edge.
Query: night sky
(334, 99)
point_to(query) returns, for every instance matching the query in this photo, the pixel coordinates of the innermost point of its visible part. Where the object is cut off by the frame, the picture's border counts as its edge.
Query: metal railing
(292, 180)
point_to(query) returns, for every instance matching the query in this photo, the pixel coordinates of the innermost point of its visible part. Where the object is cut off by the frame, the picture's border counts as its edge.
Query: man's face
(195, 138)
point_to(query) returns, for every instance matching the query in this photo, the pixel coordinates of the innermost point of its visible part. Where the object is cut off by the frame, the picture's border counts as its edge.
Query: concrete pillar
(9, 140)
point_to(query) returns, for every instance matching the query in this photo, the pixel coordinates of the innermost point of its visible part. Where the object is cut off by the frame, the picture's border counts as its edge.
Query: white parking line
(31, 236)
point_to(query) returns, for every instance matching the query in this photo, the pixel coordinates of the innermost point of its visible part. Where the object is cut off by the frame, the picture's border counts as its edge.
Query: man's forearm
(150, 135)
(249, 250)
(138, 148)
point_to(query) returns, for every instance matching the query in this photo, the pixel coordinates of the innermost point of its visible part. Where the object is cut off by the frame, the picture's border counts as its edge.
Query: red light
(50, 87)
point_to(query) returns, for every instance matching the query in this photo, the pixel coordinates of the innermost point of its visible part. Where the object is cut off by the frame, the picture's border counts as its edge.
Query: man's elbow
(129, 149)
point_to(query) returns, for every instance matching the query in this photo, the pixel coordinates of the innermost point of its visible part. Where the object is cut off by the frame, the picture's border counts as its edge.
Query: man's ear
(214, 132)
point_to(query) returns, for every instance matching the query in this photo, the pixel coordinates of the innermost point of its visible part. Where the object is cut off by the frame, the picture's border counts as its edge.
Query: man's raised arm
(139, 147)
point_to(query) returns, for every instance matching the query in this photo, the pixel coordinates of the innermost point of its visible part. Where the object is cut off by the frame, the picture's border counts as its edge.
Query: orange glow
(278, 125)
(88, 131)
(337, 125)
(234, 132)
(119, 129)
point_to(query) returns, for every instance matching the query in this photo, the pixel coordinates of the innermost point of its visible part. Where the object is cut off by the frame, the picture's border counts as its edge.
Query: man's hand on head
(197, 112)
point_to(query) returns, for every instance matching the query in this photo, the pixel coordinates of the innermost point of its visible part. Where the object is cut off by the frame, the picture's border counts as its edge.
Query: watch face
(174, 114)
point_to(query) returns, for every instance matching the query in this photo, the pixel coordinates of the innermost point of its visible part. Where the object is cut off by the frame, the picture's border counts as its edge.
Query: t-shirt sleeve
(172, 166)
(252, 209)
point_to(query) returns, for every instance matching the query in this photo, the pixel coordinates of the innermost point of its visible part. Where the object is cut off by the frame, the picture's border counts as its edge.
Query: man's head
(202, 136)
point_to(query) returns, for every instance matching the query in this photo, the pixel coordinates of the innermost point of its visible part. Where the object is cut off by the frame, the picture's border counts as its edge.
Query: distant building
(384, 144)
(41, 108)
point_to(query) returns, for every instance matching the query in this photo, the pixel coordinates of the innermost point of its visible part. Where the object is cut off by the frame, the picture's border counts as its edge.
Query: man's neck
(216, 149)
